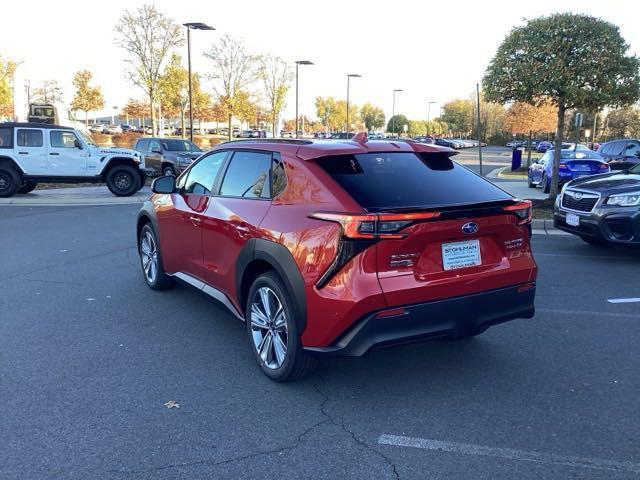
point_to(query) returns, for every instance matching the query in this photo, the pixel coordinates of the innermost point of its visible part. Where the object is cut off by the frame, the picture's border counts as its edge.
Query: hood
(183, 155)
(609, 183)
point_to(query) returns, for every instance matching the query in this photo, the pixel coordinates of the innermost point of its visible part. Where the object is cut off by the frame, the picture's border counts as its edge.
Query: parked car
(114, 129)
(383, 244)
(286, 134)
(544, 146)
(125, 127)
(602, 210)
(621, 154)
(422, 139)
(35, 152)
(443, 142)
(97, 128)
(573, 164)
(167, 156)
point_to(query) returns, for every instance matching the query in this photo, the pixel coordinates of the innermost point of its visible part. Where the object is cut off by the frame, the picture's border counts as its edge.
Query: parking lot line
(623, 300)
(509, 453)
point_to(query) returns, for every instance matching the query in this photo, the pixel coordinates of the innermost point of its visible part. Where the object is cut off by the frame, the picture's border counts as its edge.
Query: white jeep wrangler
(38, 152)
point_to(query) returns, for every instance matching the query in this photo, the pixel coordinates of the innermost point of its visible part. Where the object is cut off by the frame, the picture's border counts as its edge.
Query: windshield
(180, 146)
(86, 138)
(635, 169)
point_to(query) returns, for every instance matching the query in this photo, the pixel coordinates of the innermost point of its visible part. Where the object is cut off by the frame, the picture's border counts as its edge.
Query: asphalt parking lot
(91, 360)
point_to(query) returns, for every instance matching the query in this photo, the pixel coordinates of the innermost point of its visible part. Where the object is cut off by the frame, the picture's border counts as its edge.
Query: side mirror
(77, 144)
(165, 184)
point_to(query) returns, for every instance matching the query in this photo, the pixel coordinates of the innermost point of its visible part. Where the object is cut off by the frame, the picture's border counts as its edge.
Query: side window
(62, 139)
(631, 150)
(140, 145)
(202, 175)
(278, 176)
(154, 145)
(616, 148)
(247, 175)
(30, 138)
(6, 137)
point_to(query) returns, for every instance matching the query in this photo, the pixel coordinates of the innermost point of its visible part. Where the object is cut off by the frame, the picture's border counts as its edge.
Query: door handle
(53, 153)
(23, 153)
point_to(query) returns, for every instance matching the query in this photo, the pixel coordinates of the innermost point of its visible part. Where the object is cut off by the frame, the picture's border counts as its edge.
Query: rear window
(6, 137)
(381, 181)
(581, 155)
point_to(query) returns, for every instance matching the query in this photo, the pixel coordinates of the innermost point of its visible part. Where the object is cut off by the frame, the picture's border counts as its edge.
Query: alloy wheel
(5, 181)
(269, 327)
(149, 256)
(122, 180)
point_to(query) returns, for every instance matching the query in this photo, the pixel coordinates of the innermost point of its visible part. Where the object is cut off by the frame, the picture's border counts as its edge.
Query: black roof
(33, 125)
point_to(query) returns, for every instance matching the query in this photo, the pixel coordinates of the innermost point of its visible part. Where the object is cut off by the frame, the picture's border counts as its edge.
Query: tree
(173, 90)
(86, 97)
(49, 92)
(333, 113)
(136, 109)
(276, 76)
(233, 69)
(623, 122)
(396, 124)
(569, 51)
(373, 117)
(148, 37)
(7, 69)
(458, 114)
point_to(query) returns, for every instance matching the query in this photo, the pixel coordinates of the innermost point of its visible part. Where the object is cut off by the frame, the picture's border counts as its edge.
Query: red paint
(208, 247)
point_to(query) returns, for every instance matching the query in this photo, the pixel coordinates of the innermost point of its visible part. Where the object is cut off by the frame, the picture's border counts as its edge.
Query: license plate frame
(572, 220)
(462, 254)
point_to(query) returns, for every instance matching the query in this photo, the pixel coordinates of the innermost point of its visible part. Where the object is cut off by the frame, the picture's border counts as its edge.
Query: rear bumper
(450, 317)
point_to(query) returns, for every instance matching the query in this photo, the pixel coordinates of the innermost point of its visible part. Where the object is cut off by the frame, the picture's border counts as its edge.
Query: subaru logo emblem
(470, 227)
(577, 195)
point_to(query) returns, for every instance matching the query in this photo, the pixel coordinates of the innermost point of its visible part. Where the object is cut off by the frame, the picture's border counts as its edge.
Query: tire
(594, 241)
(27, 187)
(168, 171)
(151, 260)
(267, 330)
(531, 184)
(123, 180)
(546, 184)
(10, 181)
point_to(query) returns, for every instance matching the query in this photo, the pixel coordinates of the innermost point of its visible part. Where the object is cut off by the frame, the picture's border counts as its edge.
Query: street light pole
(393, 111)
(298, 63)
(190, 26)
(349, 76)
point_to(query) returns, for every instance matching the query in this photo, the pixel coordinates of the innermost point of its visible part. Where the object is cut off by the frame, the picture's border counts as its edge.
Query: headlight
(630, 199)
(185, 160)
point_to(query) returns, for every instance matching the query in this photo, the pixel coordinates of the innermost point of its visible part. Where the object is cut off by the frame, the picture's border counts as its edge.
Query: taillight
(383, 226)
(604, 166)
(563, 166)
(522, 210)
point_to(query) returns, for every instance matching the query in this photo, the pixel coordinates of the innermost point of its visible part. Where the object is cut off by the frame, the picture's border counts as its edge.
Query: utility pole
(478, 127)
(298, 63)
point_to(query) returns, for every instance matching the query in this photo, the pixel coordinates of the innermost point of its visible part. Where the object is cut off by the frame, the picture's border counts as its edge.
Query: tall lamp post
(393, 111)
(429, 116)
(349, 77)
(192, 26)
(298, 63)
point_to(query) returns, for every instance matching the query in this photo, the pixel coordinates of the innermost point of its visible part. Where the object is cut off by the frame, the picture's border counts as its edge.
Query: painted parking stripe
(623, 300)
(509, 453)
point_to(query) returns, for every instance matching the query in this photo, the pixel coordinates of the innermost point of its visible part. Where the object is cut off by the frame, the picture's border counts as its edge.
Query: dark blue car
(573, 164)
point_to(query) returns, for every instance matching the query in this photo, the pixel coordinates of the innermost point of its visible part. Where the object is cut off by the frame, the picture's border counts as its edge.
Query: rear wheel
(273, 333)
(151, 260)
(123, 180)
(546, 184)
(168, 171)
(9, 181)
(27, 187)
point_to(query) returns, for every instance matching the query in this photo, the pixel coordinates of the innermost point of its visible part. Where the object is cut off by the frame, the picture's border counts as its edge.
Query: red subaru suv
(340, 247)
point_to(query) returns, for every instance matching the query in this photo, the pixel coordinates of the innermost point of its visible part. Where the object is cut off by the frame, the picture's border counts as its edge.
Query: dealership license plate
(461, 254)
(573, 220)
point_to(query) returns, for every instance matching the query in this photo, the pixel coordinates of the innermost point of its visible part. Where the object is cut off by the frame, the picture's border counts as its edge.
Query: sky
(434, 51)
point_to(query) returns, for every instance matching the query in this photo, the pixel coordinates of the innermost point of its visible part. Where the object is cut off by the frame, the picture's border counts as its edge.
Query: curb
(499, 174)
(545, 227)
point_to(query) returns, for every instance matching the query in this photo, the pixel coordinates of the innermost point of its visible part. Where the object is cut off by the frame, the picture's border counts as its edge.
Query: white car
(35, 152)
(97, 128)
(114, 129)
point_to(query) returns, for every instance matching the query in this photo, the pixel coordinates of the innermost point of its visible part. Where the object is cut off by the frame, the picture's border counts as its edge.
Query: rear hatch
(438, 229)
(585, 167)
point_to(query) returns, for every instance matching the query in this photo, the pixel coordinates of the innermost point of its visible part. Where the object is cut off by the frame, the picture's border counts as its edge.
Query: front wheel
(531, 184)
(273, 333)
(546, 184)
(151, 260)
(27, 187)
(123, 180)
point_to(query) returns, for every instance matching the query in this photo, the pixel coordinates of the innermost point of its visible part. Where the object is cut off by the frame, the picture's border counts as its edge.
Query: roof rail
(293, 141)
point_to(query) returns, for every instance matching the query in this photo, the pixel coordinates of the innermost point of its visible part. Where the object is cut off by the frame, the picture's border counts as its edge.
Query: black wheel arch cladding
(280, 258)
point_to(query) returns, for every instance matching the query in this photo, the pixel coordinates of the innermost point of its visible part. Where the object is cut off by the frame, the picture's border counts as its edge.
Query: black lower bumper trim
(458, 316)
